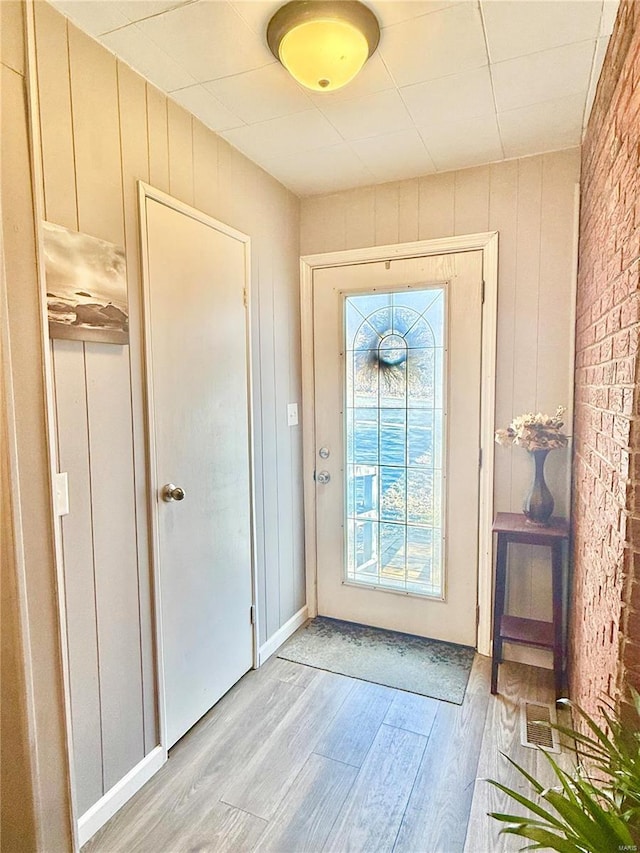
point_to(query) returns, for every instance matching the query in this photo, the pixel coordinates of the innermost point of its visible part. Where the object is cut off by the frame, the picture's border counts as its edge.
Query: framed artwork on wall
(86, 287)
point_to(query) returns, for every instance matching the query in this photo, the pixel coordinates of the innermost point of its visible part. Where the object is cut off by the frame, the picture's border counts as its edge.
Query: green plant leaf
(579, 737)
(599, 834)
(514, 818)
(595, 728)
(564, 778)
(574, 817)
(548, 840)
(527, 803)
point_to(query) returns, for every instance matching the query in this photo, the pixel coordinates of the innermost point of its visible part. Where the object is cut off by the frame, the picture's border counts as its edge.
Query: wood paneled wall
(103, 127)
(530, 202)
(17, 817)
(35, 791)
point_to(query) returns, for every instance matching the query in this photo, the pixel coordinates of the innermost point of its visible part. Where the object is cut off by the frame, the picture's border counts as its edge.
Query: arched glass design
(394, 387)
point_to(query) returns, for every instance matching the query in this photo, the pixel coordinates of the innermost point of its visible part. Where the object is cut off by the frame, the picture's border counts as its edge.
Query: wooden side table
(513, 527)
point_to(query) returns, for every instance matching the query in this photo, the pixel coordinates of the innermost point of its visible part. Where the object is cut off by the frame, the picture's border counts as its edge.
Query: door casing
(147, 192)
(487, 242)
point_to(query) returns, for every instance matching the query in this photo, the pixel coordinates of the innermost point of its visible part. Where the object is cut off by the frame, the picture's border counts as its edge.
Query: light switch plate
(292, 414)
(62, 494)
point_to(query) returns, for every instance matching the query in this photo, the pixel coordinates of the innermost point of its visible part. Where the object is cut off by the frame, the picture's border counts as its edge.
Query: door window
(394, 409)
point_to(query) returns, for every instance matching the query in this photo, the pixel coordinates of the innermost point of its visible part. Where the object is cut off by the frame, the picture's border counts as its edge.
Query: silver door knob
(323, 477)
(172, 493)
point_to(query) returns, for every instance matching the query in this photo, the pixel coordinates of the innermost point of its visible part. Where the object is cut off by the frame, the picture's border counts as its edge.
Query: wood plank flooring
(298, 760)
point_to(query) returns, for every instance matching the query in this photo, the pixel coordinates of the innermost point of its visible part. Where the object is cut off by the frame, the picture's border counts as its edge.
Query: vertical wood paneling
(328, 225)
(100, 213)
(408, 212)
(205, 168)
(80, 591)
(11, 33)
(258, 447)
(387, 208)
(72, 427)
(180, 138)
(55, 117)
(292, 254)
(96, 143)
(525, 343)
(285, 319)
(358, 219)
(112, 493)
(436, 206)
(282, 322)
(277, 328)
(16, 798)
(158, 139)
(43, 779)
(286, 587)
(471, 213)
(264, 439)
(297, 483)
(502, 218)
(135, 166)
(17, 806)
(271, 509)
(525, 363)
(555, 305)
(559, 172)
(236, 181)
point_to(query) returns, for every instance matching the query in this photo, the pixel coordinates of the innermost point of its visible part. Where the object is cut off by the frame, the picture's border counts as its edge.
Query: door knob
(323, 477)
(172, 493)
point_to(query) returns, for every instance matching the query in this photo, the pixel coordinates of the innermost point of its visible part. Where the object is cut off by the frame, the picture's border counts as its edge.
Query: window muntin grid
(394, 389)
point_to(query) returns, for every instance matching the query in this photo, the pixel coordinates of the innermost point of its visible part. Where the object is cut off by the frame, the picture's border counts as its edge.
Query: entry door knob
(172, 493)
(323, 477)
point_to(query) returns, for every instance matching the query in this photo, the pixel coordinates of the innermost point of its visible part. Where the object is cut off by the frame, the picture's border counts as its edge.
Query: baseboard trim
(116, 797)
(276, 640)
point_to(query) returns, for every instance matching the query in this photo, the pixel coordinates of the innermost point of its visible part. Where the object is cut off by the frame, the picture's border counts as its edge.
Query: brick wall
(605, 624)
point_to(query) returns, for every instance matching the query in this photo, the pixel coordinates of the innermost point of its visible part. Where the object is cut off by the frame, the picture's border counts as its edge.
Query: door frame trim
(487, 243)
(145, 191)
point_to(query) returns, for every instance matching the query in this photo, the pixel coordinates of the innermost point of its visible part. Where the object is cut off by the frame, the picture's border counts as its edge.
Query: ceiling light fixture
(323, 44)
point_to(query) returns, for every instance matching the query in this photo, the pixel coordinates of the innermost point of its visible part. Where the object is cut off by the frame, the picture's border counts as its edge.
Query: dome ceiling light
(323, 44)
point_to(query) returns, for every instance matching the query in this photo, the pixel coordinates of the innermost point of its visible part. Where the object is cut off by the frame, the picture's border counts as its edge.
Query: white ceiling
(452, 84)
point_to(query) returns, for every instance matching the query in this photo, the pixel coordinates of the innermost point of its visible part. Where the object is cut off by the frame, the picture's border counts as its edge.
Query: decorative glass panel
(394, 399)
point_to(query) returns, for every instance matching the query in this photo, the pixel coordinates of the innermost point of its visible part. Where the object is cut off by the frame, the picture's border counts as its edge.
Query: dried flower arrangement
(535, 432)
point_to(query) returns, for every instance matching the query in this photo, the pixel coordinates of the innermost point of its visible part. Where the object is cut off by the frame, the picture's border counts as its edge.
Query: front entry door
(197, 335)
(397, 348)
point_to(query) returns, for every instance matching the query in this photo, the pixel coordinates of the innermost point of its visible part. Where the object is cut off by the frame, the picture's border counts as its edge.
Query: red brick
(630, 310)
(604, 636)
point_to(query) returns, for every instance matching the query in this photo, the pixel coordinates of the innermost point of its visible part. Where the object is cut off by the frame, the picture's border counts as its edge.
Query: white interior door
(397, 351)
(197, 347)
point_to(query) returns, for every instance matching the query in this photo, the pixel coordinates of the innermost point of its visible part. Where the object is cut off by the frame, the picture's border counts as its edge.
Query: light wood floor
(296, 759)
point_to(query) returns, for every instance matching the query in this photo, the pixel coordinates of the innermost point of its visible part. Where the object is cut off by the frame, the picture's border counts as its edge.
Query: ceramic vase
(538, 504)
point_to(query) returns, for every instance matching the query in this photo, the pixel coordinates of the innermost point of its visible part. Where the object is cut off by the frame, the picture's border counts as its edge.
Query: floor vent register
(535, 726)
